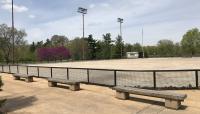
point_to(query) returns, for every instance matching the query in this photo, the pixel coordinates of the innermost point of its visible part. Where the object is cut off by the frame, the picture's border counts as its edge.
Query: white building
(132, 55)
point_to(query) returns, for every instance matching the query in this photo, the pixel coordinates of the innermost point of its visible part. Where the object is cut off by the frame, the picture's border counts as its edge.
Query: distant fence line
(154, 79)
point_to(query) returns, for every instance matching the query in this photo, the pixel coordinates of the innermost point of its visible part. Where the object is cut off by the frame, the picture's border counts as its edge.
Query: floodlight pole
(83, 25)
(83, 45)
(142, 43)
(13, 40)
(83, 11)
(120, 20)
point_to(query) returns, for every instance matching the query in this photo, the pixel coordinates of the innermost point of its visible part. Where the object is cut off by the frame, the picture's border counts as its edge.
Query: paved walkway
(38, 98)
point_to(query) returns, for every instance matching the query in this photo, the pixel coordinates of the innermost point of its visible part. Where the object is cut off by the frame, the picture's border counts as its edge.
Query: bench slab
(151, 93)
(73, 85)
(28, 78)
(172, 100)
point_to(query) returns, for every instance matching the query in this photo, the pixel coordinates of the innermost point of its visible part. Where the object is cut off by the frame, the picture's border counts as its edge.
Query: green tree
(76, 48)
(165, 48)
(92, 47)
(48, 43)
(106, 46)
(151, 51)
(137, 47)
(119, 47)
(58, 40)
(6, 40)
(191, 42)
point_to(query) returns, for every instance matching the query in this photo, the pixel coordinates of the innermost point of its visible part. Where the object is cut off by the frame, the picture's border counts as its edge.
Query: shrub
(1, 83)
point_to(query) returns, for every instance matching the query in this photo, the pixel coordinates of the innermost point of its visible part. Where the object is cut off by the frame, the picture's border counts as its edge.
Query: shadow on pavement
(17, 103)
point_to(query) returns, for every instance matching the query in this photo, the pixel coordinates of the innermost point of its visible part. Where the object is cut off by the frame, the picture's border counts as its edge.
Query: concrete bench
(172, 100)
(28, 78)
(73, 85)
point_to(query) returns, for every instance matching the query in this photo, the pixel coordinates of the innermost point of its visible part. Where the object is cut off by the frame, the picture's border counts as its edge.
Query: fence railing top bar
(119, 70)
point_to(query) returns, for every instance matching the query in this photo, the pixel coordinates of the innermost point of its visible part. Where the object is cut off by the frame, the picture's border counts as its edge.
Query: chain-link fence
(168, 79)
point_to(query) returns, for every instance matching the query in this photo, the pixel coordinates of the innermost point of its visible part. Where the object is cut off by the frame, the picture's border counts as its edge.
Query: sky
(160, 19)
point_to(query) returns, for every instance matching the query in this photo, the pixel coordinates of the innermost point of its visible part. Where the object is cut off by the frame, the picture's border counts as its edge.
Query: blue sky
(160, 19)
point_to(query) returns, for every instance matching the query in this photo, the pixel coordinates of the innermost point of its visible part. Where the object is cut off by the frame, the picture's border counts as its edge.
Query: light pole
(142, 43)
(120, 20)
(83, 11)
(13, 40)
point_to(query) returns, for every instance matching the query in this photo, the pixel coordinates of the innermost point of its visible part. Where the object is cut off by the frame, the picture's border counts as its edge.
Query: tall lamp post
(142, 43)
(120, 20)
(83, 11)
(13, 36)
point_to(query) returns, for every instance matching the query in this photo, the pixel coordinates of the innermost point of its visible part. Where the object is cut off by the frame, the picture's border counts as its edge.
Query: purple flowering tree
(56, 53)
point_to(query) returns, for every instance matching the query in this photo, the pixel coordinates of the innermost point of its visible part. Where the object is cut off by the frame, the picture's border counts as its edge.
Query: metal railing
(155, 79)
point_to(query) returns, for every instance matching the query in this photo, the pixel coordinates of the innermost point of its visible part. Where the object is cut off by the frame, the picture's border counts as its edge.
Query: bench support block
(74, 87)
(122, 95)
(52, 84)
(29, 79)
(16, 78)
(173, 104)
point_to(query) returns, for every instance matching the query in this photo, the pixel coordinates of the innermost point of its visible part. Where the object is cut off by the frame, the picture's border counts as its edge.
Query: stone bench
(172, 100)
(28, 78)
(73, 85)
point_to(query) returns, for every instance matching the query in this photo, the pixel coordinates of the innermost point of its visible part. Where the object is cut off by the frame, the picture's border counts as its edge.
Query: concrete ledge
(122, 95)
(172, 104)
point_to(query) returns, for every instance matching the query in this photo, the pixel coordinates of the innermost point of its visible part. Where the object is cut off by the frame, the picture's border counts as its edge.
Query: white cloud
(105, 4)
(92, 6)
(6, 1)
(17, 8)
(31, 16)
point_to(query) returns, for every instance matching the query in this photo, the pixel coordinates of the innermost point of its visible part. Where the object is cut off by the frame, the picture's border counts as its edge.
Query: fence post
(51, 73)
(38, 70)
(154, 79)
(88, 76)
(17, 68)
(67, 73)
(197, 79)
(9, 69)
(2, 69)
(27, 70)
(115, 78)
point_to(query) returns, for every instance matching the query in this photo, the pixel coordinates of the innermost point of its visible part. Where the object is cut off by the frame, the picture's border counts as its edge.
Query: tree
(55, 53)
(76, 48)
(32, 47)
(137, 47)
(128, 48)
(106, 46)
(48, 43)
(6, 40)
(58, 40)
(165, 48)
(119, 47)
(191, 42)
(92, 47)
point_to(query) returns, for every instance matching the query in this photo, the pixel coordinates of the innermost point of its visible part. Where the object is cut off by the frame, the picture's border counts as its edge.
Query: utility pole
(83, 11)
(120, 20)
(13, 36)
